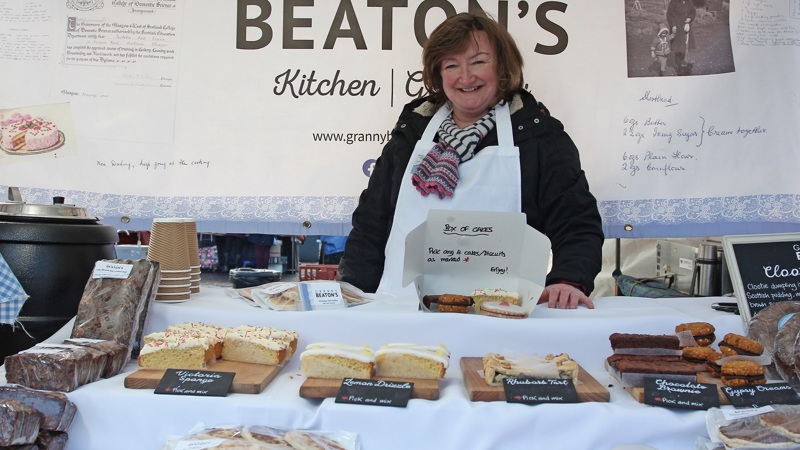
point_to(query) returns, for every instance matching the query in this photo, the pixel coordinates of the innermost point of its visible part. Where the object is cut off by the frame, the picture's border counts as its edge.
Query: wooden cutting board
(249, 379)
(329, 387)
(702, 377)
(588, 388)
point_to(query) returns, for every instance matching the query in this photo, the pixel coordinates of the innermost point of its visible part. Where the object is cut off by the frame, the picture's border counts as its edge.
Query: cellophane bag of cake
(773, 426)
(292, 296)
(261, 437)
(116, 308)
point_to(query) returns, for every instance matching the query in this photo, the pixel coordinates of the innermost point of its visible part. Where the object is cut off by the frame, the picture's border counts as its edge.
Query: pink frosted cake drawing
(23, 133)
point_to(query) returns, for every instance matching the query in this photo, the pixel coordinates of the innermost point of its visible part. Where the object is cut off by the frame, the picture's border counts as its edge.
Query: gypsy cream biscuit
(702, 332)
(712, 364)
(697, 355)
(736, 344)
(453, 303)
(742, 373)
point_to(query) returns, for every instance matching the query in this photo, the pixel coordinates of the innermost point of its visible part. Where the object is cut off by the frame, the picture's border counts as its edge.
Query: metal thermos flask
(707, 275)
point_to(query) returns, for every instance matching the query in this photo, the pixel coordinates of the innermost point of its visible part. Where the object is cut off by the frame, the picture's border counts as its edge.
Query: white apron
(490, 181)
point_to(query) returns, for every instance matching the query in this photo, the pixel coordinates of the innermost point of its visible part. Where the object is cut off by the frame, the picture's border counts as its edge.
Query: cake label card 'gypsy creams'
(761, 395)
(374, 392)
(458, 252)
(536, 390)
(195, 382)
(680, 394)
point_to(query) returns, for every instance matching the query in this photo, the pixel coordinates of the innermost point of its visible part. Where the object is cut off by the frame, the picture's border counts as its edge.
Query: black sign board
(761, 395)
(534, 390)
(374, 392)
(680, 394)
(195, 382)
(764, 269)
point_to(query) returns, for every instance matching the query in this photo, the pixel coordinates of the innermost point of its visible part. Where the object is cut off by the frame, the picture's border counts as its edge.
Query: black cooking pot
(52, 250)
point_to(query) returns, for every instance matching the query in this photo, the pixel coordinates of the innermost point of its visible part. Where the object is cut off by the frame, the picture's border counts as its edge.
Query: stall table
(112, 416)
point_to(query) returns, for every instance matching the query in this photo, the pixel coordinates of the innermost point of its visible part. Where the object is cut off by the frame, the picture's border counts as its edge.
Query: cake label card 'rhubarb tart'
(375, 392)
(534, 391)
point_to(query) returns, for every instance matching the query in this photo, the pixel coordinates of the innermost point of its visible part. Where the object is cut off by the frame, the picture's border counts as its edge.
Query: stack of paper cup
(168, 246)
(194, 255)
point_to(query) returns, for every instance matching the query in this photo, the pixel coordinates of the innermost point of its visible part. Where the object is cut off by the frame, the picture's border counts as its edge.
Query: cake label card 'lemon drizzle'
(539, 390)
(374, 392)
(195, 382)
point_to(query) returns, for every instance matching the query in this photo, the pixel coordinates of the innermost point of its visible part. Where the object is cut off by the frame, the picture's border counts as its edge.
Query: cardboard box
(456, 252)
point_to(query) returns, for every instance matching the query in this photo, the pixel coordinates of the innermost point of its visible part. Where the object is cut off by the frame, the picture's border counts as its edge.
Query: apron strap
(505, 135)
(436, 121)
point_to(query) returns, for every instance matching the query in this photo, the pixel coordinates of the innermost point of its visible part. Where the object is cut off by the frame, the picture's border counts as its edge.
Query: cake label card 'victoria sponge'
(534, 390)
(761, 395)
(374, 392)
(680, 394)
(195, 382)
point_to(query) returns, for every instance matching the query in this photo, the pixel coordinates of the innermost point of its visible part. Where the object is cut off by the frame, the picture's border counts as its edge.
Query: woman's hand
(564, 296)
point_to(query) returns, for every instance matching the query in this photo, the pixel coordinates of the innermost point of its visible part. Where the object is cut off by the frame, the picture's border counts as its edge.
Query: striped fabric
(437, 173)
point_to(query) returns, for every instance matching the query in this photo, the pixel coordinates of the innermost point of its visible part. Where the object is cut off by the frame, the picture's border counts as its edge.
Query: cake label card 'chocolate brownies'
(539, 390)
(195, 382)
(680, 394)
(374, 392)
(761, 395)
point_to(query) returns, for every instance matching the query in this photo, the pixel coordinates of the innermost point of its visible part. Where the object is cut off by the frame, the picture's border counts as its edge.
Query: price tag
(535, 390)
(680, 394)
(374, 392)
(105, 269)
(761, 395)
(195, 382)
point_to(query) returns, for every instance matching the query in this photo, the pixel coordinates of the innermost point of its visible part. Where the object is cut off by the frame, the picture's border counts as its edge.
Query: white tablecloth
(111, 416)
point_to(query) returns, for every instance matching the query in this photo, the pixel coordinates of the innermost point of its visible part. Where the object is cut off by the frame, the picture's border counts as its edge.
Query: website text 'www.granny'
(352, 138)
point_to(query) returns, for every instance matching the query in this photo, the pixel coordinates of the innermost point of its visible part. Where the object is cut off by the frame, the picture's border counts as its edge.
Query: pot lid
(17, 208)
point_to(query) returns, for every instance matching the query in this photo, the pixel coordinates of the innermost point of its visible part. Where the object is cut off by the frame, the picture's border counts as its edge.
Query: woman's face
(469, 80)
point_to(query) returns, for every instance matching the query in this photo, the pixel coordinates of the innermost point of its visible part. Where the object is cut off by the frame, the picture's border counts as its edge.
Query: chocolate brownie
(742, 373)
(736, 344)
(615, 358)
(634, 340)
(647, 367)
(702, 332)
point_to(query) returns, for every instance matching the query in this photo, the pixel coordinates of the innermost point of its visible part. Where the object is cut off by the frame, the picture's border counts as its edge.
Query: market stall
(110, 413)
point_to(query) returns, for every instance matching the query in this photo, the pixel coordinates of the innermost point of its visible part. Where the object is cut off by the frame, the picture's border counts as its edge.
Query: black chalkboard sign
(761, 395)
(764, 269)
(195, 382)
(374, 392)
(680, 394)
(534, 390)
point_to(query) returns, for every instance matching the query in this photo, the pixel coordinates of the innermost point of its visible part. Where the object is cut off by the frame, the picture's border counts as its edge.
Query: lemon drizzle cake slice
(335, 360)
(427, 362)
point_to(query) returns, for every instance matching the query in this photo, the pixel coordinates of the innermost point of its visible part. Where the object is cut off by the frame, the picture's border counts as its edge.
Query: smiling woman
(479, 142)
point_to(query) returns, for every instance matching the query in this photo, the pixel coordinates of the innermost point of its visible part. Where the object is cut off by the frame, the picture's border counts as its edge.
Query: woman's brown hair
(453, 36)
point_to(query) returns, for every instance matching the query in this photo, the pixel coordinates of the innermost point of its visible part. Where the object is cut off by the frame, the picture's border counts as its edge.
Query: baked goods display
(454, 303)
(259, 345)
(116, 353)
(261, 437)
(702, 332)
(56, 409)
(210, 331)
(414, 361)
(23, 133)
(55, 367)
(115, 309)
(19, 423)
(640, 343)
(776, 427)
(503, 309)
(336, 360)
(479, 296)
(763, 327)
(497, 367)
(742, 373)
(169, 350)
(736, 344)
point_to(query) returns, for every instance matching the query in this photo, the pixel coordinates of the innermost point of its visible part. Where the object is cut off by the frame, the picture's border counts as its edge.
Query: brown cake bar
(644, 359)
(633, 340)
(57, 411)
(650, 367)
(50, 368)
(19, 423)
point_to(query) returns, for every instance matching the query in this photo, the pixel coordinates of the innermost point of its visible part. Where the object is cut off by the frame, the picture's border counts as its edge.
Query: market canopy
(262, 116)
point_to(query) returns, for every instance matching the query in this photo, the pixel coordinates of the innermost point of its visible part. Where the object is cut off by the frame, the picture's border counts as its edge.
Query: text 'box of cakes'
(462, 252)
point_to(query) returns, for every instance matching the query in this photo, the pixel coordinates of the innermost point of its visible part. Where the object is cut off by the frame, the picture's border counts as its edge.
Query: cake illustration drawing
(25, 134)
